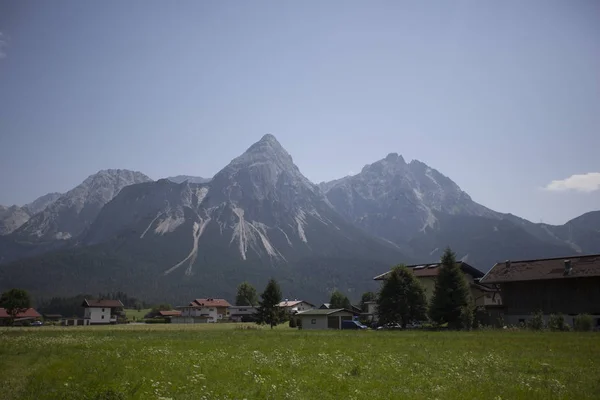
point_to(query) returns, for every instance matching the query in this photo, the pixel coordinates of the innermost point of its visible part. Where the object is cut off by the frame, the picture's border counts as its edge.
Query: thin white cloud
(587, 183)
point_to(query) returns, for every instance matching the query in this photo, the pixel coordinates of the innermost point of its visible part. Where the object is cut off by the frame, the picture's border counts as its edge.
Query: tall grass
(221, 361)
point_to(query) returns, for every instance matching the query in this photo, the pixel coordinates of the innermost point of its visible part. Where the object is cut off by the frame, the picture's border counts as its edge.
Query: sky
(502, 97)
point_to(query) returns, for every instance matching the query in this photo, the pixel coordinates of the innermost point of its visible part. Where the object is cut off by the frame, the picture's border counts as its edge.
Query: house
(427, 273)
(53, 317)
(370, 311)
(324, 318)
(99, 312)
(28, 315)
(203, 310)
(570, 286)
(242, 313)
(295, 306)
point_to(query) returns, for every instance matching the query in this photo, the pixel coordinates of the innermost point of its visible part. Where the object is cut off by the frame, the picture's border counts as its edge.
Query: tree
(161, 307)
(367, 296)
(338, 300)
(15, 301)
(401, 298)
(268, 311)
(246, 295)
(451, 293)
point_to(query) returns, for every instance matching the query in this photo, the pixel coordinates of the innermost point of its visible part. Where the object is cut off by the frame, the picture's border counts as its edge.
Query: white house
(324, 318)
(242, 313)
(99, 312)
(295, 306)
(203, 310)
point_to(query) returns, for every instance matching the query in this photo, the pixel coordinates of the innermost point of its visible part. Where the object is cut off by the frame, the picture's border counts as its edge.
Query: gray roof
(324, 311)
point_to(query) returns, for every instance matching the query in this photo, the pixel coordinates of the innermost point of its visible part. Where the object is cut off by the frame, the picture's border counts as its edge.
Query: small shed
(324, 318)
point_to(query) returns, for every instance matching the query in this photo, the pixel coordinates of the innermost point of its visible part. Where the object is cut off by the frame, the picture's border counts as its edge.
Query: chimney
(568, 268)
(507, 263)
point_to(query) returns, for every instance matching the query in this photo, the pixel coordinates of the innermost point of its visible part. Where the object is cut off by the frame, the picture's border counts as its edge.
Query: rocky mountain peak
(73, 211)
(41, 203)
(264, 171)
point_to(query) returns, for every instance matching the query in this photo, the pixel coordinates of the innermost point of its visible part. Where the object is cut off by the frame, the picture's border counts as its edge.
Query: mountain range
(259, 217)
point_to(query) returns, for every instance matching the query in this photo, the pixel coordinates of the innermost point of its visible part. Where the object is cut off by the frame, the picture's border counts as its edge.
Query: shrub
(556, 322)
(157, 320)
(536, 322)
(292, 322)
(583, 323)
(466, 318)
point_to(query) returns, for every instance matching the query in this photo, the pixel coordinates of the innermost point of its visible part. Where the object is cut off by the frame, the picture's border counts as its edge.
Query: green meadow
(222, 361)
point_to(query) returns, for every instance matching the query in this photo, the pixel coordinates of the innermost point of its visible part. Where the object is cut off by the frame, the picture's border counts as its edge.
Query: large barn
(567, 285)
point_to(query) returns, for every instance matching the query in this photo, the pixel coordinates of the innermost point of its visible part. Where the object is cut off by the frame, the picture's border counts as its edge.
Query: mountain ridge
(260, 217)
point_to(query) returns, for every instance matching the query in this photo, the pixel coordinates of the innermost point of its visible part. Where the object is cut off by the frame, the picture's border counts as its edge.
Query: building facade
(568, 286)
(483, 295)
(203, 310)
(296, 306)
(324, 318)
(101, 312)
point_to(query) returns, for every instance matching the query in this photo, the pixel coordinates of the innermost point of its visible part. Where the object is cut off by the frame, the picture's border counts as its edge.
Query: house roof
(210, 302)
(292, 303)
(325, 306)
(171, 313)
(29, 313)
(542, 269)
(324, 311)
(433, 269)
(105, 303)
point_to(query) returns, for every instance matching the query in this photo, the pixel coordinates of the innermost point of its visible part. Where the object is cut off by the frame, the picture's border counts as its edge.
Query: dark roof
(324, 311)
(433, 269)
(105, 303)
(172, 313)
(29, 313)
(210, 302)
(546, 268)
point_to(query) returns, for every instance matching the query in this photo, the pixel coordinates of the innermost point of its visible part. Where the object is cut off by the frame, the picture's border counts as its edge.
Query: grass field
(218, 361)
(138, 315)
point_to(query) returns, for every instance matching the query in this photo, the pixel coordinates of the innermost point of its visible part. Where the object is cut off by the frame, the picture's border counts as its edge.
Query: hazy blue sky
(501, 96)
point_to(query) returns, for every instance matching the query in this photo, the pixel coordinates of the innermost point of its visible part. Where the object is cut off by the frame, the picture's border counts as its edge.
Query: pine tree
(338, 300)
(246, 295)
(401, 298)
(268, 311)
(451, 293)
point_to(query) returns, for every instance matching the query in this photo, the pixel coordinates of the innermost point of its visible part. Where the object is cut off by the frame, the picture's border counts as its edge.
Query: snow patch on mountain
(197, 230)
(169, 224)
(300, 219)
(150, 225)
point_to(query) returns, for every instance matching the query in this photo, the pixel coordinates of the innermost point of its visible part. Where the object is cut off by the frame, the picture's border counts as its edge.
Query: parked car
(37, 323)
(389, 326)
(353, 325)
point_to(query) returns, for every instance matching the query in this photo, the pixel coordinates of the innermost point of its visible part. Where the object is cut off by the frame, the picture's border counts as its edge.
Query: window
(103, 317)
(242, 309)
(313, 321)
(211, 309)
(103, 310)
